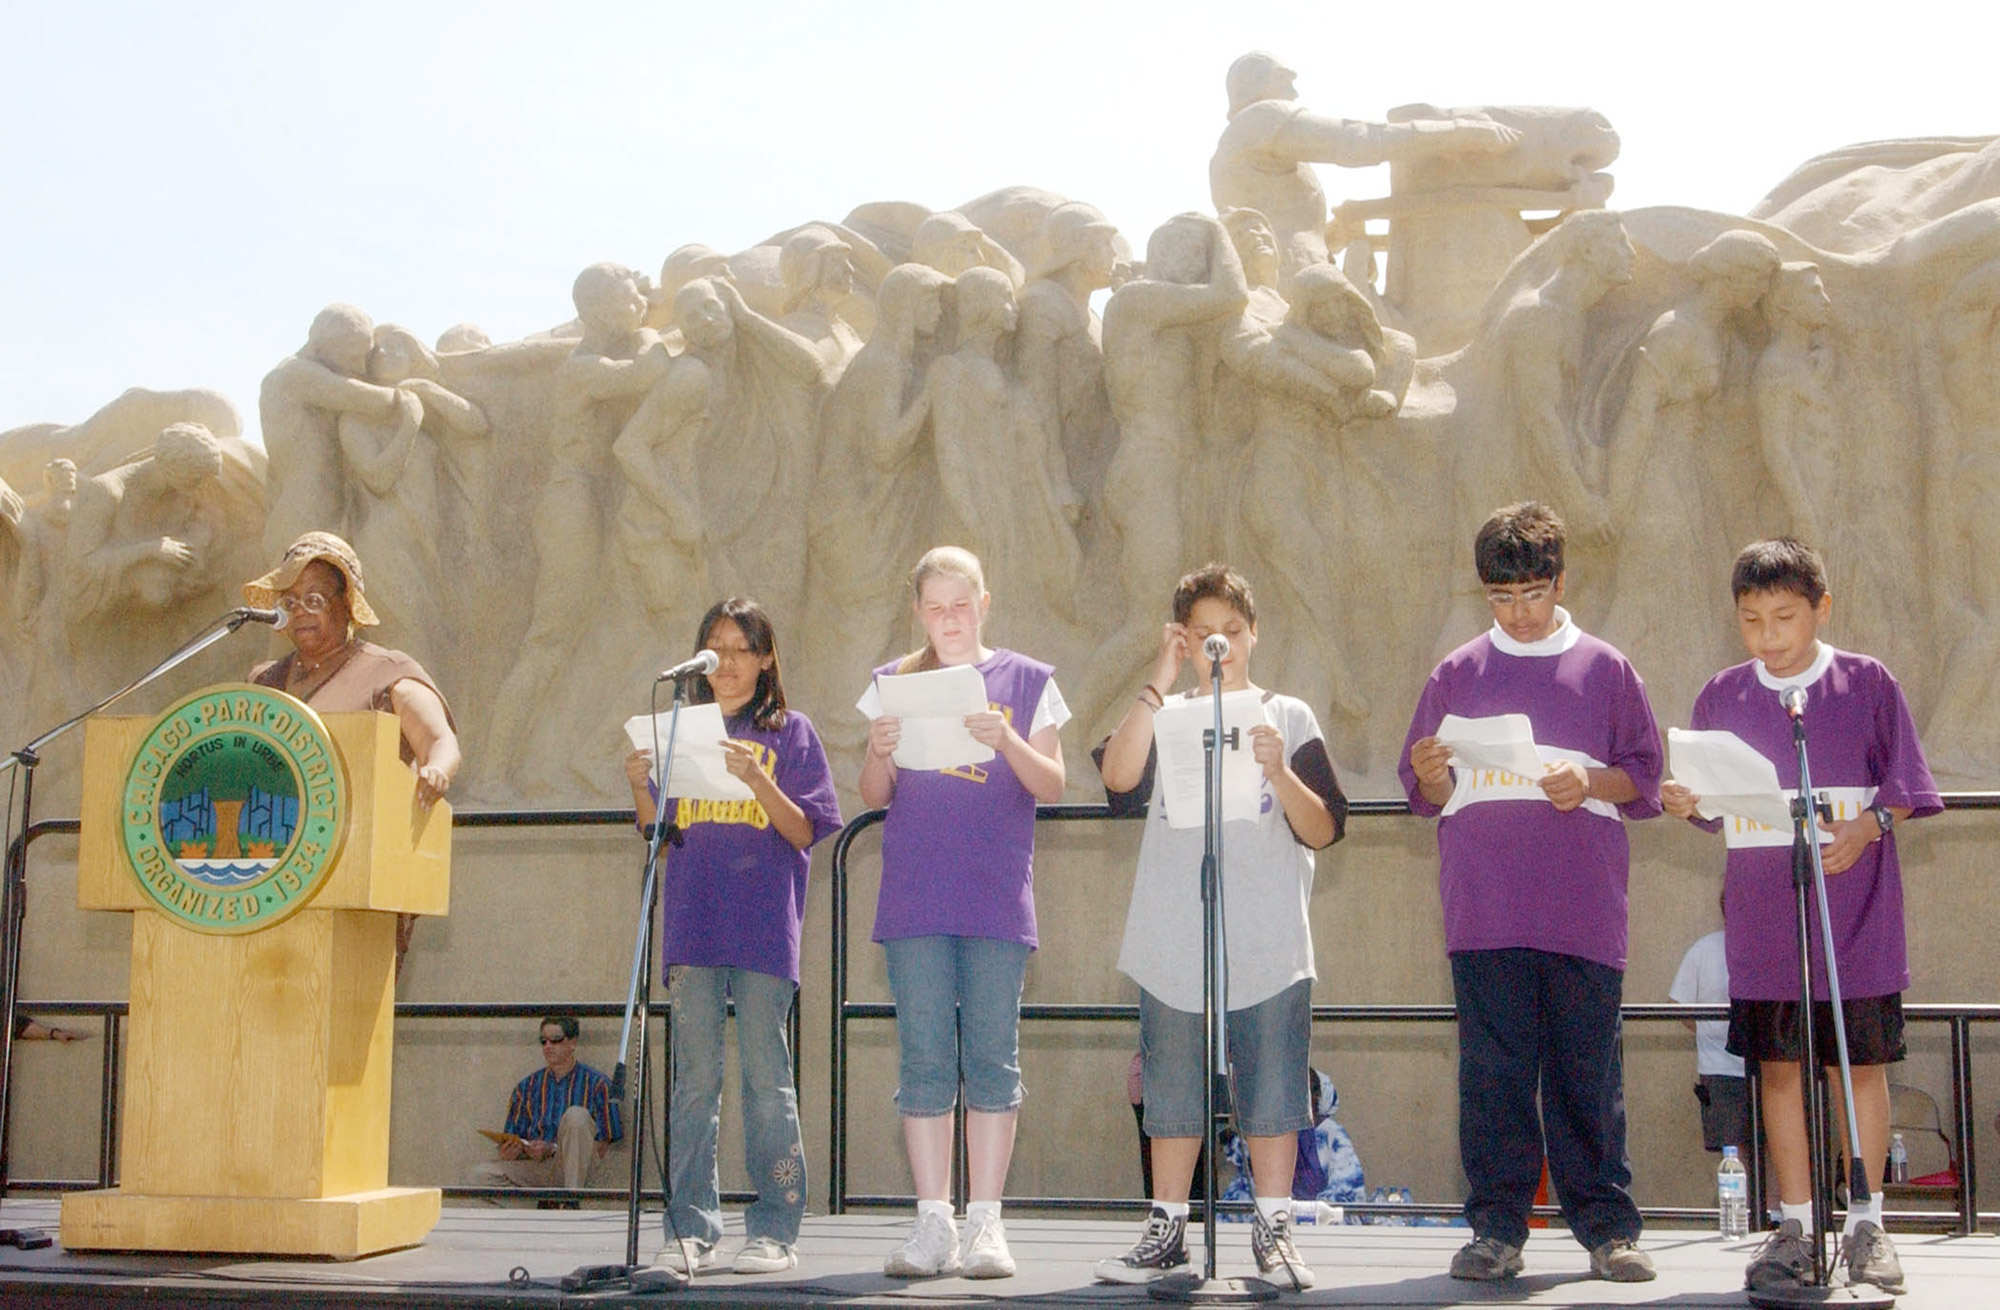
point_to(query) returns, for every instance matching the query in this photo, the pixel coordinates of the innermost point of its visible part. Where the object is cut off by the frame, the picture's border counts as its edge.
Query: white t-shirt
(1703, 979)
(1266, 885)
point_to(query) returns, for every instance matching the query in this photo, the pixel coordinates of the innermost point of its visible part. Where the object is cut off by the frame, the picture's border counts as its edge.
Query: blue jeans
(1533, 1021)
(772, 1150)
(958, 1014)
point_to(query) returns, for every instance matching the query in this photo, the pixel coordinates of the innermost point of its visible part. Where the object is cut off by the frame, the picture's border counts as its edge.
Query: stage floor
(469, 1257)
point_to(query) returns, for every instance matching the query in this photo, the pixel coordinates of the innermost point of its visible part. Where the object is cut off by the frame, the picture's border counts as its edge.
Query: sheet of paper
(1177, 733)
(1497, 741)
(933, 706)
(699, 772)
(1729, 776)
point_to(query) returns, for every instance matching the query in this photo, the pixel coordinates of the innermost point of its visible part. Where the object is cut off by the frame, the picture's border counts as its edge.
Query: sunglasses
(554, 1041)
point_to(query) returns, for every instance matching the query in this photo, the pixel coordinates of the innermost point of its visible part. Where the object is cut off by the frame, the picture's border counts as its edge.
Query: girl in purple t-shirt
(956, 914)
(733, 896)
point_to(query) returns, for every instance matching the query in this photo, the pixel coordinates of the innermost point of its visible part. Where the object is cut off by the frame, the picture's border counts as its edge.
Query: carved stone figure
(950, 243)
(1539, 339)
(300, 407)
(1790, 389)
(819, 281)
(1668, 562)
(659, 521)
(1264, 158)
(398, 486)
(757, 452)
(598, 386)
(1158, 331)
(1058, 348)
(1005, 493)
(872, 507)
(1256, 248)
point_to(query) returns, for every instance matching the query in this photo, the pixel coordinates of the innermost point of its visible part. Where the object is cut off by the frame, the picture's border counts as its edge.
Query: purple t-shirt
(1863, 749)
(958, 845)
(735, 893)
(1514, 871)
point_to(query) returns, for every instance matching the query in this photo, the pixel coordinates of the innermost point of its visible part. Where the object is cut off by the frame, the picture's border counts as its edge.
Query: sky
(184, 185)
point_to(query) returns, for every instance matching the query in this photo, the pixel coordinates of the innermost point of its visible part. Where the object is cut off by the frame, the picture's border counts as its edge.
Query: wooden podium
(256, 1096)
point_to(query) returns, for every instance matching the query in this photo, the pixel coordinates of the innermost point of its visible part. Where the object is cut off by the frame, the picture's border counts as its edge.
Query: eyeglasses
(1532, 596)
(554, 1041)
(311, 603)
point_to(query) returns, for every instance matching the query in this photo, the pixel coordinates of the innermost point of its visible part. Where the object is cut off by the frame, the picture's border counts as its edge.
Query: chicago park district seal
(234, 809)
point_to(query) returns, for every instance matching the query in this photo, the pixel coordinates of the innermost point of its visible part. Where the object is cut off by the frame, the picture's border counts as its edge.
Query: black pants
(1531, 1021)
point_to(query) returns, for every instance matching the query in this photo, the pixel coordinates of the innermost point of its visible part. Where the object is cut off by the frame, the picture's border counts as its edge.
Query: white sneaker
(930, 1250)
(688, 1256)
(982, 1251)
(764, 1255)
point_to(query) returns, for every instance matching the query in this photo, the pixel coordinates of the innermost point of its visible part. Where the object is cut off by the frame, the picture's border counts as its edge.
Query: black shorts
(1769, 1030)
(1725, 1111)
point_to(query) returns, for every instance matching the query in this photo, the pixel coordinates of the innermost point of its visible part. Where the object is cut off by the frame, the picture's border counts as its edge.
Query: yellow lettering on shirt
(745, 813)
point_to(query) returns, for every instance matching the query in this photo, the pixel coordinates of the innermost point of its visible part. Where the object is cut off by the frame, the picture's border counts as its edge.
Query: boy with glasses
(1533, 874)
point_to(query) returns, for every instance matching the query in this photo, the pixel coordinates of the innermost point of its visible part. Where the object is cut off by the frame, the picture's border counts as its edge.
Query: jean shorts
(1270, 1088)
(958, 1017)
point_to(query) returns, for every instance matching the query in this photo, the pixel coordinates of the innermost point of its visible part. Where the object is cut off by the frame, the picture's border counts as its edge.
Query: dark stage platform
(468, 1259)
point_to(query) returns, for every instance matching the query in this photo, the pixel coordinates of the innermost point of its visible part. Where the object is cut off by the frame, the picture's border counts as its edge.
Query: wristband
(1883, 819)
(1159, 701)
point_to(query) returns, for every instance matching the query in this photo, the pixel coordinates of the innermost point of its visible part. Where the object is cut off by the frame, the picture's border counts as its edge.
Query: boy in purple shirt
(1867, 762)
(1532, 872)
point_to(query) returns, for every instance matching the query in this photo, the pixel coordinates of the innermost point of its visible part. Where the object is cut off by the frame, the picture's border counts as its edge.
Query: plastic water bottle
(1899, 1160)
(1317, 1212)
(1732, 1196)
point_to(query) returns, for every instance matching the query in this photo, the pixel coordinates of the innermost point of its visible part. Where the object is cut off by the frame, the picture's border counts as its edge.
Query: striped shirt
(540, 1099)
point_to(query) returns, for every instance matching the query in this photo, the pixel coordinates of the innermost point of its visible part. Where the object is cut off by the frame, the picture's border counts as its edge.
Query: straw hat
(264, 591)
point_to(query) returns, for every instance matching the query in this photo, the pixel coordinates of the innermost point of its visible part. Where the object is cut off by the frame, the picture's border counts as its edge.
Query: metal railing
(844, 1012)
(652, 1011)
(1965, 1219)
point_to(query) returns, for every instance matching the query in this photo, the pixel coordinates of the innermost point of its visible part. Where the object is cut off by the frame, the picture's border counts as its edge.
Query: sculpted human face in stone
(704, 320)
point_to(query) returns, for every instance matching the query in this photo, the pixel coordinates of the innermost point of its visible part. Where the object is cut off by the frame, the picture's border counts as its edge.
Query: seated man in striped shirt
(560, 1119)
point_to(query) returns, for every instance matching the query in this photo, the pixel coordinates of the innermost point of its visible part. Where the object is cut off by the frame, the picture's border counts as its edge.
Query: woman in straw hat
(318, 585)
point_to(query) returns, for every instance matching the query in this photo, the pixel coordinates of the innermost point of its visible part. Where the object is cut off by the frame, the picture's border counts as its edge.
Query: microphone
(1794, 701)
(278, 619)
(1215, 646)
(704, 662)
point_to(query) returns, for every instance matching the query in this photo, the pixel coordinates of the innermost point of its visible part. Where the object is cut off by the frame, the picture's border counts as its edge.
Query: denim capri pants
(958, 1017)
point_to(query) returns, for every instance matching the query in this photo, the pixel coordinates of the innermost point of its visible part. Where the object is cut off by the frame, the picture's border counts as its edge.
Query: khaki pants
(576, 1151)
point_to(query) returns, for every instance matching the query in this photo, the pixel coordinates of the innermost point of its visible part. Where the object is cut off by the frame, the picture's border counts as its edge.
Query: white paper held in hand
(700, 771)
(933, 706)
(1495, 741)
(1729, 776)
(1177, 730)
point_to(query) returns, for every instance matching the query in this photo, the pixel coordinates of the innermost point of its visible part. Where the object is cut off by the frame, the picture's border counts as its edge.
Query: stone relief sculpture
(1790, 389)
(1660, 500)
(871, 511)
(951, 243)
(300, 407)
(1264, 158)
(1158, 332)
(397, 486)
(1005, 490)
(598, 386)
(1058, 347)
(757, 451)
(819, 281)
(797, 420)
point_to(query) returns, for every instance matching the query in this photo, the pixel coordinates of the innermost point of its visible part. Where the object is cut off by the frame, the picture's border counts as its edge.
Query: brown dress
(359, 679)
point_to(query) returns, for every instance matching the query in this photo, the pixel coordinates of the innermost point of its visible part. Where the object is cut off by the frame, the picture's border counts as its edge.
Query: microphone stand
(610, 1276)
(14, 887)
(1809, 872)
(1205, 1288)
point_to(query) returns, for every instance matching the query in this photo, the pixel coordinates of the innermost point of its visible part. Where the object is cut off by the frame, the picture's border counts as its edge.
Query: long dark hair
(766, 706)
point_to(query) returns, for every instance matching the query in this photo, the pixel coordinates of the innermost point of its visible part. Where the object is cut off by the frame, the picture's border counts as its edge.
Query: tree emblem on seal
(234, 809)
